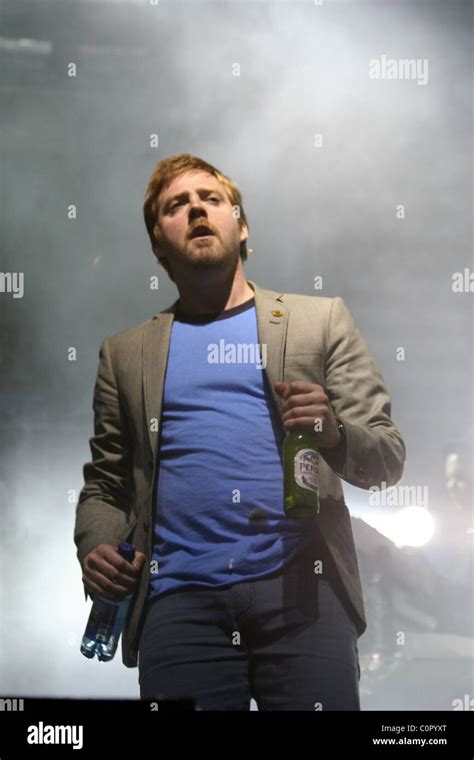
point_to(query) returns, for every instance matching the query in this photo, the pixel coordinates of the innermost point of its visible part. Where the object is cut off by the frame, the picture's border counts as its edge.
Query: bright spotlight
(412, 526)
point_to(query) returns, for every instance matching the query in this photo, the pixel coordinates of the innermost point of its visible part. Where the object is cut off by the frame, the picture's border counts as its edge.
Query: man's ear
(244, 233)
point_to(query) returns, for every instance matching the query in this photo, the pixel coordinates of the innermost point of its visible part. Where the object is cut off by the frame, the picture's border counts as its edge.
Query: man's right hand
(104, 565)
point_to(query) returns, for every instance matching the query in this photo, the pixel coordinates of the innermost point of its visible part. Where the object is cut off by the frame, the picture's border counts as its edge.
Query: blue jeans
(285, 640)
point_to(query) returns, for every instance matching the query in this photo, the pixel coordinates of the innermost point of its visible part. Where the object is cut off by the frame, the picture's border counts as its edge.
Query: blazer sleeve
(374, 452)
(104, 509)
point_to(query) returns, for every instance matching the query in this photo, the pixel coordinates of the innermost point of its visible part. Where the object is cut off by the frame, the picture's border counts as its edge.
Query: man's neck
(215, 298)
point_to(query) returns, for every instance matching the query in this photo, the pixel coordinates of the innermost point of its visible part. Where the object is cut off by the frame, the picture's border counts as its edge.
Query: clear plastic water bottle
(107, 619)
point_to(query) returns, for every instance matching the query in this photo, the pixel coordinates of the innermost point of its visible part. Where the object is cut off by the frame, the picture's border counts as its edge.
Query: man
(233, 599)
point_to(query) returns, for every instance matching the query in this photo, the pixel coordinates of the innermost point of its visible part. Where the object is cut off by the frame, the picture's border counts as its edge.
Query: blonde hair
(165, 172)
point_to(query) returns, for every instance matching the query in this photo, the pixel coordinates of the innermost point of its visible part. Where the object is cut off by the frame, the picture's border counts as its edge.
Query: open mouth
(201, 231)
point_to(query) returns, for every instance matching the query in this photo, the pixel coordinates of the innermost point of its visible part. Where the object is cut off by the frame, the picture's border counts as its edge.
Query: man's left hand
(304, 404)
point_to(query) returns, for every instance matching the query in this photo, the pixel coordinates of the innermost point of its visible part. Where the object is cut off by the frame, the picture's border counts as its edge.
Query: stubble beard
(211, 253)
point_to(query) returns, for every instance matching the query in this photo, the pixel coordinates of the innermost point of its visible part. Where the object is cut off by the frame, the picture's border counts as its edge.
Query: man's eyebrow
(200, 190)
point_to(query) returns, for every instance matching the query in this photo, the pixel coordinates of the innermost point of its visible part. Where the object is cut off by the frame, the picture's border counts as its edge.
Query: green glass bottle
(301, 470)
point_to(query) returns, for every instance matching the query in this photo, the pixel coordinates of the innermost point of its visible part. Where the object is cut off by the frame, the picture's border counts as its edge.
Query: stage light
(412, 526)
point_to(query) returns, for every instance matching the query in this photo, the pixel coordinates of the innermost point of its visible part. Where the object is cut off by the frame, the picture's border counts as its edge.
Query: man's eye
(213, 198)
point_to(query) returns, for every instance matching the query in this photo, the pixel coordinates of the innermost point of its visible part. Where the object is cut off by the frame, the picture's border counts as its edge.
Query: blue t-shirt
(219, 502)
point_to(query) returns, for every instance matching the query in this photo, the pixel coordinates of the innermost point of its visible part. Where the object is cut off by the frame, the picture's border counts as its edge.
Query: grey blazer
(309, 338)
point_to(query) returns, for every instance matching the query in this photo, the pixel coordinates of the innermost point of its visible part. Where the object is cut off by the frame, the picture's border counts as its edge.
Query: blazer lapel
(156, 341)
(272, 323)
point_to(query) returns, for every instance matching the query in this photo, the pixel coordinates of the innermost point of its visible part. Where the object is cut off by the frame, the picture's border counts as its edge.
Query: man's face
(196, 222)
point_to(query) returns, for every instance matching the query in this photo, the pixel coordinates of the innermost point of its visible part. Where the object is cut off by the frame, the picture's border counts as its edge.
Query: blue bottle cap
(127, 551)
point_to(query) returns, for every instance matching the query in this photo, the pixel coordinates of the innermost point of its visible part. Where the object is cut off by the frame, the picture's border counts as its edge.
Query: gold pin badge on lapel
(277, 313)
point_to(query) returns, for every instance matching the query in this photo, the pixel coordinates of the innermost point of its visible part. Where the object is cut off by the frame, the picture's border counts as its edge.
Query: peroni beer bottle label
(306, 469)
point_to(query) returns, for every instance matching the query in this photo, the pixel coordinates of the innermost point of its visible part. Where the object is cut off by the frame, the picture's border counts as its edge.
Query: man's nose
(197, 209)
